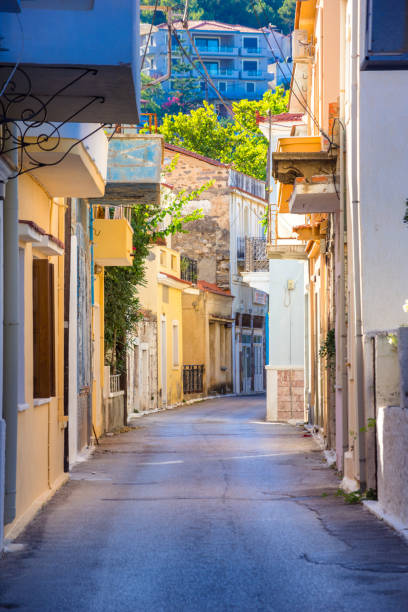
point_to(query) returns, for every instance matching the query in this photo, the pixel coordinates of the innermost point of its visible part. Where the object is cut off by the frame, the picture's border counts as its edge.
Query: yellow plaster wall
(40, 442)
(151, 298)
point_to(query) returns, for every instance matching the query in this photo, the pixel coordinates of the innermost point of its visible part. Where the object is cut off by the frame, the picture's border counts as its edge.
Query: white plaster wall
(392, 432)
(383, 192)
(286, 313)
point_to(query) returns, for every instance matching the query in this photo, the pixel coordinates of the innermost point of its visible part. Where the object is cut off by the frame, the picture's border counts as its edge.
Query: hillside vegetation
(252, 13)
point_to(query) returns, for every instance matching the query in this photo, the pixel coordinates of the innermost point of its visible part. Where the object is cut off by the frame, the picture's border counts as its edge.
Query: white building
(249, 307)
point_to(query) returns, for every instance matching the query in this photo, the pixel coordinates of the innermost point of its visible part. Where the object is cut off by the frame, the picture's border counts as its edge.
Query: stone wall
(285, 393)
(208, 239)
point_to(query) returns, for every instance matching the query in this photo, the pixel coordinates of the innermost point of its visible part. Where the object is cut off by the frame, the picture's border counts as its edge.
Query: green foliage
(287, 14)
(152, 97)
(238, 142)
(252, 13)
(355, 497)
(328, 350)
(122, 308)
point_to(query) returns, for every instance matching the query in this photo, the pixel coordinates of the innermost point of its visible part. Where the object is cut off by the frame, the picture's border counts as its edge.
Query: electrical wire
(290, 87)
(205, 76)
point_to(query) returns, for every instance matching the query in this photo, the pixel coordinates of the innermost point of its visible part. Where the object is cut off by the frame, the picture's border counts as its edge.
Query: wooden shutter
(44, 328)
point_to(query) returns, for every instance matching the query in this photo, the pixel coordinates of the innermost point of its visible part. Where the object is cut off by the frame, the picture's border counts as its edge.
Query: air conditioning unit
(301, 47)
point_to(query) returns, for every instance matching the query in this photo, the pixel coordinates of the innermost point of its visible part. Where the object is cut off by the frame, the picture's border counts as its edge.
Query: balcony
(254, 74)
(112, 236)
(188, 269)
(321, 195)
(73, 61)
(256, 259)
(81, 173)
(247, 52)
(216, 51)
(134, 169)
(224, 73)
(299, 156)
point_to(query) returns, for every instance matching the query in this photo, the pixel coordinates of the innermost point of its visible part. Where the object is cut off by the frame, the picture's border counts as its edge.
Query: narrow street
(206, 507)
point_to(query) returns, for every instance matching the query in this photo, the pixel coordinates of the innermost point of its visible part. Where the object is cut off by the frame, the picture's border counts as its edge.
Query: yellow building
(207, 344)
(40, 198)
(162, 296)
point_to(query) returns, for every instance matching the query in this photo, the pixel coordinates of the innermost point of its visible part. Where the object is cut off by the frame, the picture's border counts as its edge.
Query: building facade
(38, 184)
(350, 233)
(242, 62)
(233, 207)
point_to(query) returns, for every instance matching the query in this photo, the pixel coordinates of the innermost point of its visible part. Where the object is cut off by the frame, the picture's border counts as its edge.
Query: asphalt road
(208, 508)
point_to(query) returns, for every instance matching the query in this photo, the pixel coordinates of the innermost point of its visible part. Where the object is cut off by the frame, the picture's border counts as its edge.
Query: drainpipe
(10, 338)
(341, 345)
(355, 217)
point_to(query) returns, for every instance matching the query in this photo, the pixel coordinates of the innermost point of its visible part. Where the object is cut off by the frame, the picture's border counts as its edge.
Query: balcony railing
(188, 269)
(217, 50)
(256, 259)
(193, 379)
(223, 72)
(251, 51)
(240, 248)
(112, 212)
(254, 74)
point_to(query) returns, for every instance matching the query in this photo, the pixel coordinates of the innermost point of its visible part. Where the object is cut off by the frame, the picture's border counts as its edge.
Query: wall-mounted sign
(259, 297)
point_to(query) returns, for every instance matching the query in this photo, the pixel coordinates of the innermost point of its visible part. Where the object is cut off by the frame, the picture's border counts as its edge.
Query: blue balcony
(216, 51)
(73, 61)
(254, 74)
(249, 52)
(224, 73)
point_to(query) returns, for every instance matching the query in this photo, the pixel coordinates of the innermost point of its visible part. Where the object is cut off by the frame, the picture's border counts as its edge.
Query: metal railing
(114, 383)
(188, 269)
(193, 378)
(256, 259)
(112, 212)
(203, 50)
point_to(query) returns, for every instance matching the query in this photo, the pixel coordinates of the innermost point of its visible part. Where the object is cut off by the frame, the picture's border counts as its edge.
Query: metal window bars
(193, 378)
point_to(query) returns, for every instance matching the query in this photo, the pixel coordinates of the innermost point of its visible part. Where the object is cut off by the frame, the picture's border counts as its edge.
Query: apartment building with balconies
(242, 62)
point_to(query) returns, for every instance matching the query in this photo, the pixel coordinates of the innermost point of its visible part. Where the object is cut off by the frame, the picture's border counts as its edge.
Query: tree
(152, 97)
(187, 93)
(287, 14)
(122, 308)
(238, 141)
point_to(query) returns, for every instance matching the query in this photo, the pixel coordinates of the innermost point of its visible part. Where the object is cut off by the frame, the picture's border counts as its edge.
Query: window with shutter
(43, 328)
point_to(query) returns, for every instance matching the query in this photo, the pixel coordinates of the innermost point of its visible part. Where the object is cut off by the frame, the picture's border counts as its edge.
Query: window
(222, 86)
(43, 328)
(163, 258)
(175, 344)
(173, 262)
(386, 34)
(207, 44)
(165, 294)
(250, 44)
(250, 87)
(202, 85)
(212, 67)
(250, 66)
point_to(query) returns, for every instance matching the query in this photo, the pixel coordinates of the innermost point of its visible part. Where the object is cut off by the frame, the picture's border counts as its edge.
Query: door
(246, 363)
(258, 366)
(144, 375)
